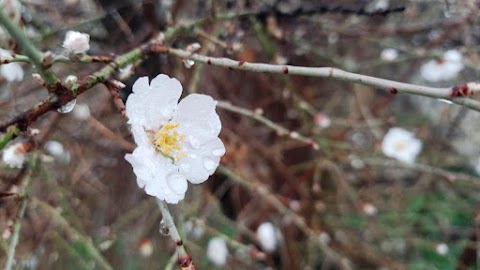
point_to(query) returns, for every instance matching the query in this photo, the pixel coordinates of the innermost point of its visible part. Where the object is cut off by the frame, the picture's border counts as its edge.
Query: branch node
(393, 90)
(460, 91)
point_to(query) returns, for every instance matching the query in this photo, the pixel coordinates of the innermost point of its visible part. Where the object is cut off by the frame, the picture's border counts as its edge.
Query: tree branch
(63, 96)
(457, 94)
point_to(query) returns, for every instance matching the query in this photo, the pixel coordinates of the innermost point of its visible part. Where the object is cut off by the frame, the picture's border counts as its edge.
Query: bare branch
(456, 94)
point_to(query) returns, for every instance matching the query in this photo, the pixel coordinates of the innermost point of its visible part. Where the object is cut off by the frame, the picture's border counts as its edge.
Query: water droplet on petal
(67, 107)
(188, 63)
(218, 152)
(164, 229)
(209, 164)
(194, 142)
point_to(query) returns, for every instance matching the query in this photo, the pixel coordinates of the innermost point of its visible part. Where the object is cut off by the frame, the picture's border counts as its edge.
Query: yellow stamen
(400, 145)
(167, 140)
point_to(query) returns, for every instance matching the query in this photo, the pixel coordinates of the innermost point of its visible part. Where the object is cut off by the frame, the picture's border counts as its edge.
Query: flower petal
(177, 183)
(76, 42)
(197, 118)
(12, 72)
(152, 170)
(140, 136)
(200, 163)
(153, 105)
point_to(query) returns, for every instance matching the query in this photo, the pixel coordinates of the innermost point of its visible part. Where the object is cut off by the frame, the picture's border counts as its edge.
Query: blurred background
(345, 205)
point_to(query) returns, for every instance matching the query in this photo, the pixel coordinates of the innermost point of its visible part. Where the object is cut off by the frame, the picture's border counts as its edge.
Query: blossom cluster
(74, 43)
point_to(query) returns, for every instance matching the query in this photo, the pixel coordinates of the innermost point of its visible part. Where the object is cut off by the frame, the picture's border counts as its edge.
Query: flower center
(400, 145)
(167, 141)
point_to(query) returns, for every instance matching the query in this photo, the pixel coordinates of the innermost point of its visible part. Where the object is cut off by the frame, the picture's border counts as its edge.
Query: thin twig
(102, 129)
(448, 175)
(70, 233)
(18, 223)
(15, 236)
(20, 58)
(184, 260)
(450, 93)
(10, 135)
(267, 122)
(28, 48)
(264, 193)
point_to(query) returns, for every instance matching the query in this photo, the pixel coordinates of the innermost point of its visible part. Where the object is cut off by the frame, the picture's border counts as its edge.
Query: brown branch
(63, 95)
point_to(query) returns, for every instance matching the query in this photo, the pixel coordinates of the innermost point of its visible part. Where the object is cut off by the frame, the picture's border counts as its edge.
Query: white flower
(322, 120)
(217, 251)
(176, 142)
(195, 229)
(81, 112)
(11, 72)
(401, 144)
(56, 149)
(389, 54)
(444, 69)
(76, 42)
(369, 209)
(267, 236)
(324, 238)
(441, 249)
(14, 156)
(146, 248)
(378, 5)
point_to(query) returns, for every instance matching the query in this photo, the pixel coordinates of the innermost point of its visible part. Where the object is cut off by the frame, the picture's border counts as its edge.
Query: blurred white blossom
(146, 248)
(267, 236)
(15, 155)
(56, 149)
(195, 229)
(377, 5)
(76, 42)
(6, 233)
(369, 209)
(81, 112)
(441, 249)
(322, 120)
(389, 54)
(217, 251)
(324, 238)
(401, 144)
(12, 71)
(443, 69)
(176, 142)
